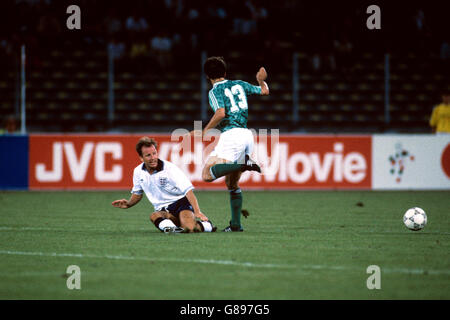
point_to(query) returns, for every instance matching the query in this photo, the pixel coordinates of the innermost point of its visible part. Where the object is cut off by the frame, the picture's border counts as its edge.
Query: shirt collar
(159, 167)
(220, 82)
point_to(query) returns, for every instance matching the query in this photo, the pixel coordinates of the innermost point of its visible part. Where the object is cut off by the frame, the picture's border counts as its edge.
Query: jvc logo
(78, 166)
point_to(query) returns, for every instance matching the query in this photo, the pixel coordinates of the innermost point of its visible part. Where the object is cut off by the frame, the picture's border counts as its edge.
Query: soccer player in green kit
(231, 156)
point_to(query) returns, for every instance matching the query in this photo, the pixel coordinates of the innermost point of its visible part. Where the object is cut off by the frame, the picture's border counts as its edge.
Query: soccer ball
(415, 219)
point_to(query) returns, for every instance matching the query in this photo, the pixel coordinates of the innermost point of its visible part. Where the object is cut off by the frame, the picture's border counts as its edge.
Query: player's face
(150, 156)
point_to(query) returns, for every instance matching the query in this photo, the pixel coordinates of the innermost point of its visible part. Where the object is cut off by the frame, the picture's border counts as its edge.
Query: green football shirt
(232, 95)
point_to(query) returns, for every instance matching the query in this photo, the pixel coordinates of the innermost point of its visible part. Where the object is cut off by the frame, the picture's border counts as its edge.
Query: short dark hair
(215, 67)
(145, 142)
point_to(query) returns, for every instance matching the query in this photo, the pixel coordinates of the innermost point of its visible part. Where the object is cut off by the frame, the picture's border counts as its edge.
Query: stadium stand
(67, 84)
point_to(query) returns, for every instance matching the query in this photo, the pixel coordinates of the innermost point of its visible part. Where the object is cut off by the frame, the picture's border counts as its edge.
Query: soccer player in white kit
(169, 191)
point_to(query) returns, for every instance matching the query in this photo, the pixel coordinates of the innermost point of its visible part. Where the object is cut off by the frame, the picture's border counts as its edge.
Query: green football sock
(236, 206)
(222, 169)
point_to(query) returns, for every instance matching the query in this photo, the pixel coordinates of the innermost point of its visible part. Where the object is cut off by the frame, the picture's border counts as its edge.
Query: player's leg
(224, 158)
(212, 161)
(232, 182)
(224, 167)
(218, 167)
(187, 221)
(190, 224)
(165, 222)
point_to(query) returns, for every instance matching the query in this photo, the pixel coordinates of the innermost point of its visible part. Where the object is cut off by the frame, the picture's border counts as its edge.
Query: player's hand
(123, 203)
(201, 216)
(261, 75)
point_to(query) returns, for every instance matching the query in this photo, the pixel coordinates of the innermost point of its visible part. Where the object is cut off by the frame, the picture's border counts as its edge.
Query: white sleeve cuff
(188, 189)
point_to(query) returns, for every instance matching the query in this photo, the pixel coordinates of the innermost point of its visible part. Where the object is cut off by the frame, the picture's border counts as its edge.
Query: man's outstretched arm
(194, 203)
(125, 204)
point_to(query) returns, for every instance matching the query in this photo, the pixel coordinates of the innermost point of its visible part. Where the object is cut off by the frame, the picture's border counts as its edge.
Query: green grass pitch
(296, 245)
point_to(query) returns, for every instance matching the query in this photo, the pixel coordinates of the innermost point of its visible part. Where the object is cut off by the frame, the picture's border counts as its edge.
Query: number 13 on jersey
(238, 91)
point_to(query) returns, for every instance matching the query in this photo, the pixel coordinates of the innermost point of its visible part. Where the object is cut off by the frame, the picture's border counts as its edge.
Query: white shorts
(234, 144)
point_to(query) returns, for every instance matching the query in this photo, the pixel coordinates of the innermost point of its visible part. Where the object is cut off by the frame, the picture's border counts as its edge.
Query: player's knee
(187, 220)
(187, 216)
(231, 185)
(154, 216)
(206, 176)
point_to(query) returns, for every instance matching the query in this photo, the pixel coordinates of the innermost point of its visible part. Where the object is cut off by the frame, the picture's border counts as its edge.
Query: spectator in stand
(6, 53)
(440, 117)
(261, 15)
(244, 22)
(139, 53)
(343, 48)
(419, 20)
(136, 23)
(445, 51)
(161, 46)
(193, 24)
(323, 58)
(445, 56)
(423, 32)
(113, 23)
(117, 49)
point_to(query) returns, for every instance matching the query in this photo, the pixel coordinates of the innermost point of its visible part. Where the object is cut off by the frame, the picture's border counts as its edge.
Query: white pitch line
(384, 270)
(27, 229)
(415, 271)
(114, 257)
(228, 262)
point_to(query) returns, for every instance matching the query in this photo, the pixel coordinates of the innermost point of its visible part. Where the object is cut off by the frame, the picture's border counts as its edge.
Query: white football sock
(166, 223)
(207, 226)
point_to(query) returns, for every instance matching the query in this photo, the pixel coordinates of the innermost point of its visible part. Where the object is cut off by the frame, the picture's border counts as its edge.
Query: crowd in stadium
(165, 30)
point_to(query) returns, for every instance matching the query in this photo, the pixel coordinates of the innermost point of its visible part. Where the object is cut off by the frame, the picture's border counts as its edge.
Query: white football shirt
(164, 186)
